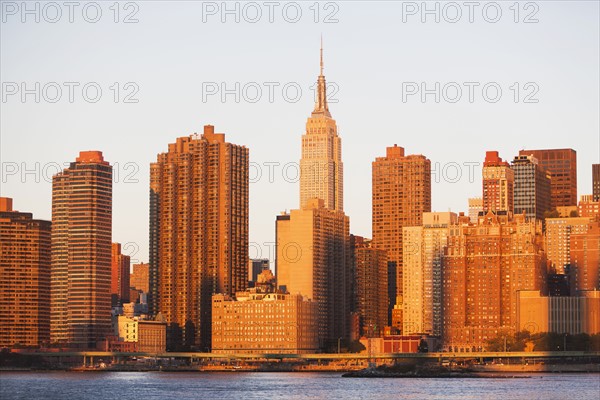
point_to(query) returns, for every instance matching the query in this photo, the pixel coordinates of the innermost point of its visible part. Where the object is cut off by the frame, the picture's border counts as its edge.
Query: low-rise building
(264, 323)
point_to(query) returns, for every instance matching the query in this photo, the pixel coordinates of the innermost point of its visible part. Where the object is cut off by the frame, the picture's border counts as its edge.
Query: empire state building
(321, 169)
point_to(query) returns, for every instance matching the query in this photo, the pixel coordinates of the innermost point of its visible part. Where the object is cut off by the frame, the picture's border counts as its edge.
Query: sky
(448, 80)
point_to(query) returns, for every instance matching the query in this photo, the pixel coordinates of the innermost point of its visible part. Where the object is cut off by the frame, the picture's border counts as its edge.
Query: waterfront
(238, 385)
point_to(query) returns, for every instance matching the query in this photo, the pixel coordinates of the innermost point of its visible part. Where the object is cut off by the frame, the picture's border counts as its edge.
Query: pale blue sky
(369, 53)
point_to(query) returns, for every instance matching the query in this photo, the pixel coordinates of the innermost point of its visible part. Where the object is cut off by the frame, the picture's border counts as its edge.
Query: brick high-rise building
(485, 266)
(140, 277)
(24, 278)
(119, 280)
(81, 251)
(532, 187)
(585, 259)
(424, 248)
(596, 181)
(370, 266)
(498, 184)
(562, 165)
(401, 194)
(198, 232)
(587, 207)
(558, 241)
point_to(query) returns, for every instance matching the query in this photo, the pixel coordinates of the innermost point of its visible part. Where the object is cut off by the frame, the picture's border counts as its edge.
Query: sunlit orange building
(140, 278)
(370, 269)
(401, 194)
(485, 265)
(24, 278)
(562, 165)
(585, 258)
(119, 277)
(313, 254)
(498, 183)
(198, 232)
(81, 252)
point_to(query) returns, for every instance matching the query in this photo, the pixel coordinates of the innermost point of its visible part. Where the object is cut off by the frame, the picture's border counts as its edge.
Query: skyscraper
(532, 187)
(140, 277)
(370, 287)
(596, 181)
(485, 265)
(401, 194)
(198, 232)
(313, 259)
(313, 252)
(498, 183)
(585, 259)
(558, 241)
(81, 251)
(562, 165)
(119, 279)
(24, 278)
(423, 252)
(321, 169)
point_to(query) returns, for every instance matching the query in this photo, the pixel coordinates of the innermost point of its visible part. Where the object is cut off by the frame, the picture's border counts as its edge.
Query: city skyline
(566, 104)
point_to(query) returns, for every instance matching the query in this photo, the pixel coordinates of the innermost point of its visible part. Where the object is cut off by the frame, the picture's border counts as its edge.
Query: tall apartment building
(558, 241)
(562, 165)
(423, 253)
(475, 207)
(313, 256)
(24, 278)
(596, 182)
(401, 194)
(313, 259)
(280, 323)
(119, 281)
(485, 265)
(198, 232)
(140, 277)
(370, 269)
(585, 258)
(81, 252)
(498, 184)
(532, 187)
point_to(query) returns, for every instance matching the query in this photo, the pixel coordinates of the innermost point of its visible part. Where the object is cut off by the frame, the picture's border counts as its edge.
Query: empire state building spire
(321, 103)
(321, 169)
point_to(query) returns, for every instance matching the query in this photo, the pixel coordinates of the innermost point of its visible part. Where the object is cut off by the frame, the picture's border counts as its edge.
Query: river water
(247, 385)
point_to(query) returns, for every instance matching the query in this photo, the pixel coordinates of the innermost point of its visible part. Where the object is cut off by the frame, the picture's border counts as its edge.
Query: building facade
(313, 259)
(562, 165)
(255, 267)
(198, 232)
(81, 252)
(264, 323)
(370, 266)
(485, 265)
(572, 315)
(119, 276)
(558, 241)
(401, 194)
(24, 278)
(498, 184)
(532, 187)
(596, 182)
(475, 207)
(585, 259)
(140, 277)
(423, 254)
